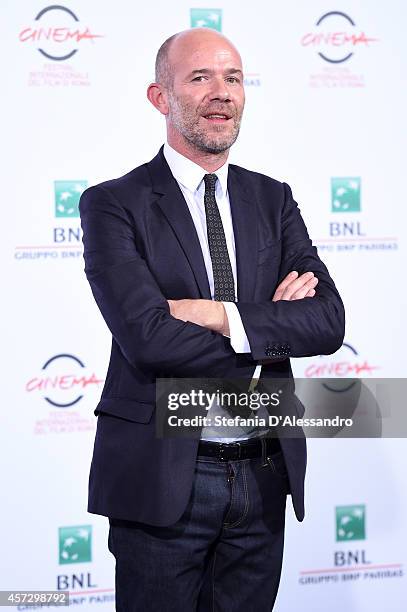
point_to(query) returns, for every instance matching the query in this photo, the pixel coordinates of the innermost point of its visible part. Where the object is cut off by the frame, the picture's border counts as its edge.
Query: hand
(205, 313)
(295, 287)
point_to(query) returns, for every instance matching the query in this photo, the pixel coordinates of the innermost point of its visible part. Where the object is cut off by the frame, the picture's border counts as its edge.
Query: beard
(186, 119)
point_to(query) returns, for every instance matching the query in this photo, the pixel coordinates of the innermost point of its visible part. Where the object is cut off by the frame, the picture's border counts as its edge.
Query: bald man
(200, 269)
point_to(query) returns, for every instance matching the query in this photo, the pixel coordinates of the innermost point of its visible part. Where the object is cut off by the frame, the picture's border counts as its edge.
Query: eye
(233, 80)
(199, 78)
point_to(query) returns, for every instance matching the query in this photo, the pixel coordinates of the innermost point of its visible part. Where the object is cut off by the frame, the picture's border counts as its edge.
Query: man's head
(199, 88)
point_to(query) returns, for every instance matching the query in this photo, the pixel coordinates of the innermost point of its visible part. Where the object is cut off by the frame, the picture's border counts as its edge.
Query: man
(200, 269)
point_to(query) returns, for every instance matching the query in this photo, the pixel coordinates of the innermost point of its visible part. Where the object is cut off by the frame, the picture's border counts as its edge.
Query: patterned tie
(224, 285)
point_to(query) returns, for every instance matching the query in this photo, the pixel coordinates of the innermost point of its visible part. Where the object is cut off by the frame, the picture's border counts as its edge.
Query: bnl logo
(67, 195)
(206, 18)
(350, 523)
(346, 198)
(345, 194)
(350, 527)
(75, 544)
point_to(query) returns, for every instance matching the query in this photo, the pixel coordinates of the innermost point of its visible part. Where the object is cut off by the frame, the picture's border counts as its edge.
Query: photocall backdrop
(325, 112)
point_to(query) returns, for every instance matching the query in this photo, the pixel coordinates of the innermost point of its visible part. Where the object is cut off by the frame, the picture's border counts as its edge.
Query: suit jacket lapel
(244, 217)
(175, 209)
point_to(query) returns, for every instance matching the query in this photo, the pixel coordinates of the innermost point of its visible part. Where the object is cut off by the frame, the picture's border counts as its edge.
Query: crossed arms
(167, 338)
(212, 315)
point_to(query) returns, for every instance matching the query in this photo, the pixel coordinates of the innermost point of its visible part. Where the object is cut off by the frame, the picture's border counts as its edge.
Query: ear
(158, 97)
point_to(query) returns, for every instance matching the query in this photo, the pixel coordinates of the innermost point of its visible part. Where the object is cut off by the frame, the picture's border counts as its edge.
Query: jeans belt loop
(263, 452)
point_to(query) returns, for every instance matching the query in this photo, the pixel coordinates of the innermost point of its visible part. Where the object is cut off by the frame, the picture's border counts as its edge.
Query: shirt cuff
(238, 338)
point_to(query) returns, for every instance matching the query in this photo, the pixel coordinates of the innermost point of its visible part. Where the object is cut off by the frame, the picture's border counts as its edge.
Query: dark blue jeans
(225, 552)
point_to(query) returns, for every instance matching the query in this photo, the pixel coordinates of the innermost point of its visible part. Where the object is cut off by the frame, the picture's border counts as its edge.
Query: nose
(219, 90)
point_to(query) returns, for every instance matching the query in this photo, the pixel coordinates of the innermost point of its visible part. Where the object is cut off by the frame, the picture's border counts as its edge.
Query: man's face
(206, 96)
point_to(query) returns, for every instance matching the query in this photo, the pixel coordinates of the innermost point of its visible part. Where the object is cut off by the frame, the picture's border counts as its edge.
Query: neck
(208, 161)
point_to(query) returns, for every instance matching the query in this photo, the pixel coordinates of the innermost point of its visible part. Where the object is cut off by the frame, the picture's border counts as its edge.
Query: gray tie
(224, 285)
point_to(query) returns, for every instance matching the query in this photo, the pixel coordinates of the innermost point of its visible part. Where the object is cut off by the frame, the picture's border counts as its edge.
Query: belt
(238, 450)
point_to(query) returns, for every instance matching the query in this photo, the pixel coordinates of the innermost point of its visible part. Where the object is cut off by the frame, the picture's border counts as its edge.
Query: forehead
(210, 53)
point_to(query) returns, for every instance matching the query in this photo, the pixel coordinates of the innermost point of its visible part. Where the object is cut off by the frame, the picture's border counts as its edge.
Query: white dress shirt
(189, 177)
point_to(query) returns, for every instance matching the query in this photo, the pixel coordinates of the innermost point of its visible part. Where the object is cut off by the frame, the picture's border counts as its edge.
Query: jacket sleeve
(133, 306)
(298, 328)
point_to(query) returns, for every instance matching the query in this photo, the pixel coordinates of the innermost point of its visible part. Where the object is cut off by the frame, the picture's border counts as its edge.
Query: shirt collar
(189, 174)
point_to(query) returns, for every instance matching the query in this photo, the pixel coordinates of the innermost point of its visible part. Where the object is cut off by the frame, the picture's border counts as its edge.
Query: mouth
(218, 118)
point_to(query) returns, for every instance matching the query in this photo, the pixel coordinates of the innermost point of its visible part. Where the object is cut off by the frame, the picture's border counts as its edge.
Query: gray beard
(202, 142)
(198, 138)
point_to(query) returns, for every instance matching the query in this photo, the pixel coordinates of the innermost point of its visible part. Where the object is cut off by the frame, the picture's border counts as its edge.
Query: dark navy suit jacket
(141, 248)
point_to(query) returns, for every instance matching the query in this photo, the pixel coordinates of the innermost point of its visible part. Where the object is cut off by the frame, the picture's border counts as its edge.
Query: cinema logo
(345, 363)
(58, 31)
(63, 380)
(57, 35)
(335, 39)
(351, 560)
(62, 384)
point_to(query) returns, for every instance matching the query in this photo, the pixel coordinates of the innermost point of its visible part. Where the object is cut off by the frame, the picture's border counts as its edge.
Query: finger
(302, 292)
(284, 284)
(297, 284)
(176, 307)
(311, 293)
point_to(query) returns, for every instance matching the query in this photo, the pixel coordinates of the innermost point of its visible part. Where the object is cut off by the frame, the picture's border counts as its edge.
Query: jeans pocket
(277, 464)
